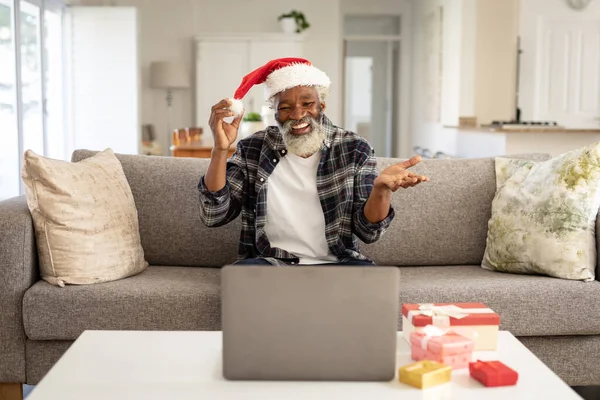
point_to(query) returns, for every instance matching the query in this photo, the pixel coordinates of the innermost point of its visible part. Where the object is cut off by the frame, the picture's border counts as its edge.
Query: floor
(587, 392)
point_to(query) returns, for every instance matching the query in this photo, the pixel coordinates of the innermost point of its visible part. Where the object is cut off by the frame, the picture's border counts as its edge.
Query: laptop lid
(335, 323)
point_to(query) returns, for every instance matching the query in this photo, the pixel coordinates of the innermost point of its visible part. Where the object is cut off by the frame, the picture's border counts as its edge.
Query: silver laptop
(311, 323)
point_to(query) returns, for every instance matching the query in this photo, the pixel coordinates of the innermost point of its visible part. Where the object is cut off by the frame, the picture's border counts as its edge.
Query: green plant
(301, 23)
(252, 117)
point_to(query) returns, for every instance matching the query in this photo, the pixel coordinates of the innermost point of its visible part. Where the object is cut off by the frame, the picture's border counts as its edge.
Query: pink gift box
(446, 347)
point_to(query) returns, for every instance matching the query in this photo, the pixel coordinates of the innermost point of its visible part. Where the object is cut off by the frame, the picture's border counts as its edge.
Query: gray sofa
(438, 237)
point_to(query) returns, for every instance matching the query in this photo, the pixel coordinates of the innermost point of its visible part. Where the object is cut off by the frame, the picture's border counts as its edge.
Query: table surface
(187, 365)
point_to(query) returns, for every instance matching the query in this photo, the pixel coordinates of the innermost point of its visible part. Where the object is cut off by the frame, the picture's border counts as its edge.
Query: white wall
(496, 59)
(467, 58)
(168, 28)
(378, 7)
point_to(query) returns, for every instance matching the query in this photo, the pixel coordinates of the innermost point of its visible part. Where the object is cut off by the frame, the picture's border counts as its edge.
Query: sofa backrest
(441, 222)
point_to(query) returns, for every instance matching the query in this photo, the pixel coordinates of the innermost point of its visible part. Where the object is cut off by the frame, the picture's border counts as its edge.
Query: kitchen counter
(520, 139)
(523, 129)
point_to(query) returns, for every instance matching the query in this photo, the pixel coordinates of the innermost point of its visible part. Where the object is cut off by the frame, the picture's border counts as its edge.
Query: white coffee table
(187, 365)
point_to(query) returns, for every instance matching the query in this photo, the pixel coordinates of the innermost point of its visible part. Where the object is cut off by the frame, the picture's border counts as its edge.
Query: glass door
(31, 78)
(9, 131)
(31, 86)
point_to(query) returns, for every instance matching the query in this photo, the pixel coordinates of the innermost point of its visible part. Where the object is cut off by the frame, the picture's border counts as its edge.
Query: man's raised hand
(224, 134)
(397, 176)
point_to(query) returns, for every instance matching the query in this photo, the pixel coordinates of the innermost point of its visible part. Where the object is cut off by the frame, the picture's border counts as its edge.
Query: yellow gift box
(425, 374)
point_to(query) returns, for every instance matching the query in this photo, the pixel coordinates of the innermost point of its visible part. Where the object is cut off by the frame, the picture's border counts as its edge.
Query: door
(568, 65)
(369, 96)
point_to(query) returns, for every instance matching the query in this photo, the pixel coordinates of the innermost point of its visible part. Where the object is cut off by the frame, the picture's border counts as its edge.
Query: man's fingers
(410, 162)
(227, 113)
(404, 179)
(237, 120)
(220, 114)
(222, 104)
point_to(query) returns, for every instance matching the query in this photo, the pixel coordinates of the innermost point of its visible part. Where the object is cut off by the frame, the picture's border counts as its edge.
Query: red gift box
(474, 314)
(473, 320)
(493, 373)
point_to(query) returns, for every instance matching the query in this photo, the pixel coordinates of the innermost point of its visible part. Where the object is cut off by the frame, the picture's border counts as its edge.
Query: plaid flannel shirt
(345, 176)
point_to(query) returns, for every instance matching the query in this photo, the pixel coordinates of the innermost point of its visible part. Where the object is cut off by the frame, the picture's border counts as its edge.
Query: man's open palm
(397, 176)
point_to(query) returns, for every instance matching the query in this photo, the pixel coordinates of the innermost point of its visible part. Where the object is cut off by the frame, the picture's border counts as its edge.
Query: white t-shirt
(295, 220)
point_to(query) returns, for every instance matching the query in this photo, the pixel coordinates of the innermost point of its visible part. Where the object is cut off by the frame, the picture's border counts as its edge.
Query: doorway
(371, 84)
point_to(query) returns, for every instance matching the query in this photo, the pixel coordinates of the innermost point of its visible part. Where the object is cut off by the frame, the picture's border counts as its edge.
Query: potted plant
(294, 21)
(251, 124)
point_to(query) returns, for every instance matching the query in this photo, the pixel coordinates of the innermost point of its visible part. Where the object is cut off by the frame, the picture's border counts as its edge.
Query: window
(9, 137)
(31, 90)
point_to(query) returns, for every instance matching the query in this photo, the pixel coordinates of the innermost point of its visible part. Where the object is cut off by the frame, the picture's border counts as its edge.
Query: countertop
(524, 129)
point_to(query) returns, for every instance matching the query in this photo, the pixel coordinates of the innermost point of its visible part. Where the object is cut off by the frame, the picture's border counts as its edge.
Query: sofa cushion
(544, 214)
(528, 305)
(81, 210)
(184, 298)
(160, 298)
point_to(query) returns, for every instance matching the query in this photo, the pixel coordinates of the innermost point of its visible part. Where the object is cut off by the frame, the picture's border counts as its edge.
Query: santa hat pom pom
(236, 106)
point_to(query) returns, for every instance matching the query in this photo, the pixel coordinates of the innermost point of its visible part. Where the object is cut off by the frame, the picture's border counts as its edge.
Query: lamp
(169, 75)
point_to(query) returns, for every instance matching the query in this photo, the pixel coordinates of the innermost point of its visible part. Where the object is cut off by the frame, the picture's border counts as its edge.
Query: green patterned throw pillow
(544, 215)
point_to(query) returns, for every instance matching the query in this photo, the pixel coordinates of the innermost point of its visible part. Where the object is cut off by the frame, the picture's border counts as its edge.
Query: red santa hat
(279, 75)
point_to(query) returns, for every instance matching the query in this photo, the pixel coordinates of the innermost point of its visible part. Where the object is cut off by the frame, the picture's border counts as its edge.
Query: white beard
(303, 145)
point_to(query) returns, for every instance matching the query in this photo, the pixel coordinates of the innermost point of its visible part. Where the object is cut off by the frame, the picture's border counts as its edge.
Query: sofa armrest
(18, 272)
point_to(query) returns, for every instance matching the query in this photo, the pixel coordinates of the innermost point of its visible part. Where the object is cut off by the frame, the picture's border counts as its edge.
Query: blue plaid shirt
(345, 177)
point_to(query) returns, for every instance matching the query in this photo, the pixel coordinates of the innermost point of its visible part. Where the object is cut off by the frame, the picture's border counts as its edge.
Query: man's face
(295, 106)
(298, 114)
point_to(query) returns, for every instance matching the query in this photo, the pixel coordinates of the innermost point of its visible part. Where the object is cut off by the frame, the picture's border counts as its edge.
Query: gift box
(473, 320)
(446, 347)
(493, 373)
(424, 374)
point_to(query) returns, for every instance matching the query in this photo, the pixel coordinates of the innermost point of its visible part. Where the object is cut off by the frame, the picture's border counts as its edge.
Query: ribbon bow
(431, 331)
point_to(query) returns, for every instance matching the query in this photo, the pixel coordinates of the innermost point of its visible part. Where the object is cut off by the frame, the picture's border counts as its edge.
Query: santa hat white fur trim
(294, 75)
(236, 106)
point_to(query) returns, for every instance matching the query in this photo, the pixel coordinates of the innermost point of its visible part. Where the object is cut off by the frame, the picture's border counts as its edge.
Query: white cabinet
(223, 60)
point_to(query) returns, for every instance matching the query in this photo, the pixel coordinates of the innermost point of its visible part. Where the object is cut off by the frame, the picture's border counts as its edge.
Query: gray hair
(322, 92)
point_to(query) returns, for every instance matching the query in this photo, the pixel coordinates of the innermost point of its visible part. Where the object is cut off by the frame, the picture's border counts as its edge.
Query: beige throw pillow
(544, 216)
(85, 220)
